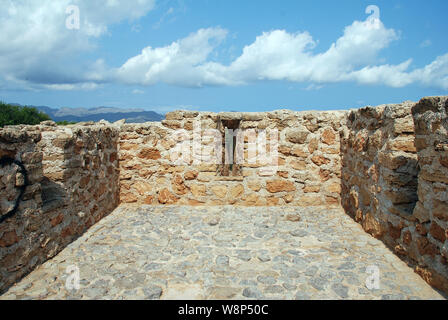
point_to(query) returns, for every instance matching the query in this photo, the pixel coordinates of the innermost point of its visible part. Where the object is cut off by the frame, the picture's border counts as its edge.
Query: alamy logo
(73, 20)
(373, 281)
(72, 281)
(373, 20)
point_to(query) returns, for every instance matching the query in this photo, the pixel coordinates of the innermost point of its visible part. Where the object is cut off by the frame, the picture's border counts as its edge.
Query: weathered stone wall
(382, 188)
(427, 240)
(74, 182)
(19, 240)
(389, 174)
(309, 165)
(379, 169)
(81, 176)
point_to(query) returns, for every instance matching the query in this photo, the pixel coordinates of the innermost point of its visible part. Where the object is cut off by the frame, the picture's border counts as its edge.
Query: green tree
(13, 115)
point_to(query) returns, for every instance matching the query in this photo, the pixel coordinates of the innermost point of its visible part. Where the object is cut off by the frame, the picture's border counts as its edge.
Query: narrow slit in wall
(229, 165)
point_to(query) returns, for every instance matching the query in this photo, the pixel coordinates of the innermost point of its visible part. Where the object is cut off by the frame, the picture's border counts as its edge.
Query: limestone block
(297, 135)
(275, 186)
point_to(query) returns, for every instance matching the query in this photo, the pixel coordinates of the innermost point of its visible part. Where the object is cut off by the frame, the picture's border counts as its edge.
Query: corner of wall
(73, 182)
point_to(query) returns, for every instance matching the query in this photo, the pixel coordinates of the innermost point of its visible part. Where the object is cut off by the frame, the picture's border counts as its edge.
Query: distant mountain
(132, 115)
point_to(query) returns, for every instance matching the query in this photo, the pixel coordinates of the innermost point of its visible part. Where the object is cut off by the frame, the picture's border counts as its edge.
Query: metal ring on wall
(5, 161)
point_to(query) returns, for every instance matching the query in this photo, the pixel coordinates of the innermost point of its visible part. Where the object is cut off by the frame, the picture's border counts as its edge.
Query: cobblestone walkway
(224, 253)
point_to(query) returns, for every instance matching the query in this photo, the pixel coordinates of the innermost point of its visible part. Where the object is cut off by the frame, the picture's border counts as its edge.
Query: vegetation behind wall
(13, 115)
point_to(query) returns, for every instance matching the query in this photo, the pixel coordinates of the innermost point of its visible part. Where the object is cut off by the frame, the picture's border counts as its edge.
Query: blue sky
(223, 55)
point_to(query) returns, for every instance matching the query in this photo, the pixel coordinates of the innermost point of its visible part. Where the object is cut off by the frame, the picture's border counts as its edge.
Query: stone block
(437, 232)
(149, 154)
(405, 144)
(219, 191)
(328, 136)
(403, 125)
(237, 191)
(198, 190)
(166, 197)
(275, 186)
(297, 135)
(320, 160)
(311, 189)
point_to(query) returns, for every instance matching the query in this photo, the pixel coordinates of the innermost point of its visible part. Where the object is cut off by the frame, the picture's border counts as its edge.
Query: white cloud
(279, 55)
(36, 46)
(69, 87)
(176, 64)
(434, 74)
(390, 75)
(38, 51)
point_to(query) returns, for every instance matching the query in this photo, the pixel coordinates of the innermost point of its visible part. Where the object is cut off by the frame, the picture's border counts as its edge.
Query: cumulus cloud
(37, 47)
(279, 55)
(174, 64)
(41, 52)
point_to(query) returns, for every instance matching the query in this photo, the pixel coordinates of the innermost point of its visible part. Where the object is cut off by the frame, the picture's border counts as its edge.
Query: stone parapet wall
(383, 165)
(386, 165)
(73, 183)
(379, 161)
(19, 237)
(308, 171)
(429, 236)
(81, 176)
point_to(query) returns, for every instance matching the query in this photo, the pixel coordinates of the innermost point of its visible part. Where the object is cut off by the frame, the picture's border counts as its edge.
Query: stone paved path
(227, 252)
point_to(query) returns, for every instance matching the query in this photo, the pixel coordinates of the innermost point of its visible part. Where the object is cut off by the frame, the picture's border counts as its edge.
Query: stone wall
(382, 187)
(388, 173)
(428, 238)
(73, 183)
(308, 172)
(19, 239)
(379, 161)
